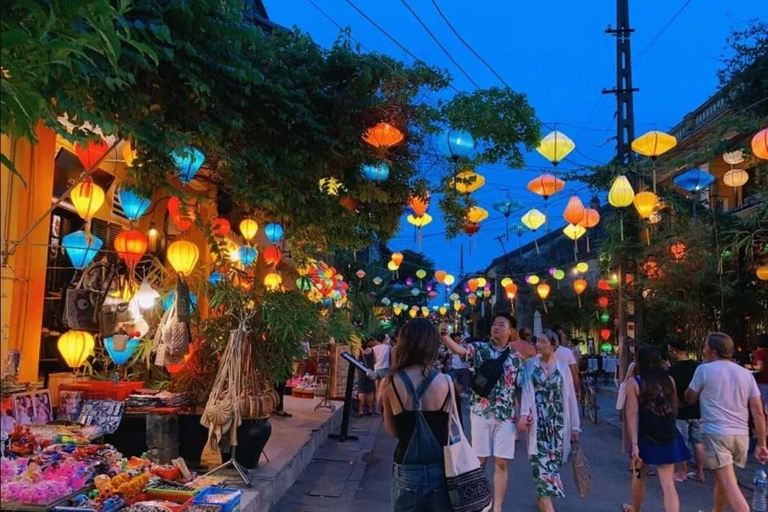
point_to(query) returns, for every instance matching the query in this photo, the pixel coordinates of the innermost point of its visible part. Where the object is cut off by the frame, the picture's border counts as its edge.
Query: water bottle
(760, 498)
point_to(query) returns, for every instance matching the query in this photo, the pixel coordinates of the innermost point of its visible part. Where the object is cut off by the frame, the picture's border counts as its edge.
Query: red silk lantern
(91, 152)
(349, 203)
(272, 256)
(605, 334)
(471, 228)
(574, 211)
(182, 217)
(603, 285)
(131, 245)
(603, 302)
(220, 226)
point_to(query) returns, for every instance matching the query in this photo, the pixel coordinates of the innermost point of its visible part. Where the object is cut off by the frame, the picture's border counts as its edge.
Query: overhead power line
(660, 33)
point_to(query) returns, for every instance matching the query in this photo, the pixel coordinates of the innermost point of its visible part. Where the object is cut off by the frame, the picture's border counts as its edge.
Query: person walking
(727, 394)
(688, 416)
(565, 355)
(382, 352)
(760, 363)
(416, 411)
(366, 387)
(493, 418)
(651, 413)
(550, 414)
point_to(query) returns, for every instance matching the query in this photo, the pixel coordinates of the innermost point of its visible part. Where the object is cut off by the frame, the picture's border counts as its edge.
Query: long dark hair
(654, 381)
(417, 344)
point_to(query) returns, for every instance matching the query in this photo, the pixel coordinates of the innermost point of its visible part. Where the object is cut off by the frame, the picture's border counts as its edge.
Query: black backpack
(488, 374)
(657, 421)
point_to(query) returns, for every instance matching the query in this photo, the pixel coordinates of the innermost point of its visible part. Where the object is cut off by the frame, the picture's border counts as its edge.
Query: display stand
(232, 462)
(343, 435)
(325, 403)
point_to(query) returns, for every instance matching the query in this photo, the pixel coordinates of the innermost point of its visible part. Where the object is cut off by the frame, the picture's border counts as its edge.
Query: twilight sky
(557, 53)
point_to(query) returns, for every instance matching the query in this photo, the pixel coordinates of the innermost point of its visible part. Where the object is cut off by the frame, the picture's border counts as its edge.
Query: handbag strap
(454, 422)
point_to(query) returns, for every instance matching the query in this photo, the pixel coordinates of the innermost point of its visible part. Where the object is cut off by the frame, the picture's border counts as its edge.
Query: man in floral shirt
(494, 418)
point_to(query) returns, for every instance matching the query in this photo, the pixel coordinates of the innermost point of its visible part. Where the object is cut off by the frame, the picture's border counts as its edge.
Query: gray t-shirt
(724, 391)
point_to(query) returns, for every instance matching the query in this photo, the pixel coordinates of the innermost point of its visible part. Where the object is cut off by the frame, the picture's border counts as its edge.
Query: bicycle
(589, 397)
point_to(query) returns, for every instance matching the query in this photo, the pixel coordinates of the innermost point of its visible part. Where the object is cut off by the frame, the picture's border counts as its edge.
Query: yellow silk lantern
(573, 231)
(574, 210)
(87, 198)
(425, 311)
(481, 282)
(555, 147)
(762, 272)
(621, 194)
(392, 266)
(413, 312)
(443, 310)
(75, 347)
(420, 222)
(476, 214)
(397, 258)
(506, 281)
(183, 255)
(582, 267)
(249, 228)
(533, 279)
(543, 290)
(449, 279)
(421, 273)
(467, 181)
(653, 143)
(546, 185)
(533, 219)
(456, 306)
(760, 144)
(273, 281)
(645, 203)
(129, 154)
(736, 178)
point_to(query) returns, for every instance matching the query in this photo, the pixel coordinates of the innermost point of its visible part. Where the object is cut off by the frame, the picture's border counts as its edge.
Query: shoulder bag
(488, 374)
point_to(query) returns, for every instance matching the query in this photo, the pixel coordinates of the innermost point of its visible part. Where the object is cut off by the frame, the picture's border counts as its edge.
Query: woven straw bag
(582, 473)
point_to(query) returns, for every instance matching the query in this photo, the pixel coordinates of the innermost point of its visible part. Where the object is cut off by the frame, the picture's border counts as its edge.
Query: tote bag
(468, 487)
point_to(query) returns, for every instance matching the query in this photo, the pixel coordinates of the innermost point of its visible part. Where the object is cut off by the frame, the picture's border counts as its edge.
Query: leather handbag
(468, 487)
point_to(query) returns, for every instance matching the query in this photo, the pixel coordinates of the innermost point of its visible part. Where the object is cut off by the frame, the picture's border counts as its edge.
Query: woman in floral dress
(550, 413)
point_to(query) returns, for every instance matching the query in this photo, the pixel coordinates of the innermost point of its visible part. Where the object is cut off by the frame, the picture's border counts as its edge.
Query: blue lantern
(378, 172)
(455, 143)
(274, 232)
(170, 296)
(327, 302)
(79, 250)
(247, 254)
(134, 205)
(215, 278)
(694, 180)
(188, 161)
(120, 357)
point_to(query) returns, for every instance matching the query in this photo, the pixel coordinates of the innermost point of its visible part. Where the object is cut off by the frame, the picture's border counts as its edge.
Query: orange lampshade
(574, 210)
(546, 185)
(87, 198)
(603, 302)
(272, 256)
(543, 290)
(645, 203)
(476, 214)
(383, 135)
(75, 347)
(579, 286)
(591, 218)
(440, 276)
(183, 255)
(762, 272)
(472, 284)
(131, 245)
(397, 258)
(91, 152)
(182, 216)
(419, 205)
(220, 226)
(760, 144)
(511, 289)
(472, 299)
(471, 228)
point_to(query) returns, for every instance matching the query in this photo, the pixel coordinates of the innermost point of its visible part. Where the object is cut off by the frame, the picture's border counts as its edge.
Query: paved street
(356, 476)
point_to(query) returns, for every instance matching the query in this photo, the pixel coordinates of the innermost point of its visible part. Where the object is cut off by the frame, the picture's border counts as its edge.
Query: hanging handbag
(582, 473)
(183, 301)
(83, 300)
(468, 487)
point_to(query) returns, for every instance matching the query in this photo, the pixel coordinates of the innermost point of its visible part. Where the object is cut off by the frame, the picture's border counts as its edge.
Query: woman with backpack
(417, 399)
(550, 413)
(651, 411)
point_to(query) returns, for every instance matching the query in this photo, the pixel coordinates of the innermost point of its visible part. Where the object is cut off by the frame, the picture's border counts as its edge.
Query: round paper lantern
(421, 273)
(220, 226)
(604, 285)
(133, 204)
(129, 153)
(603, 302)
(472, 299)
(645, 203)
(121, 357)
(591, 218)
(559, 275)
(249, 228)
(419, 222)
(506, 281)
(582, 266)
(418, 204)
(573, 231)
(546, 185)
(91, 152)
(383, 135)
(188, 161)
(377, 173)
(392, 266)
(472, 284)
(467, 181)
(532, 279)
(574, 210)
(579, 285)
(331, 186)
(273, 281)
(449, 280)
(274, 232)
(476, 214)
(397, 258)
(605, 317)
(694, 180)
(470, 228)
(533, 219)
(247, 254)
(75, 347)
(543, 291)
(605, 334)
(146, 296)
(182, 216)
(621, 194)
(273, 256)
(760, 144)
(481, 282)
(762, 272)
(131, 245)
(455, 143)
(653, 144)
(87, 198)
(183, 255)
(734, 157)
(736, 178)
(80, 249)
(555, 147)
(440, 276)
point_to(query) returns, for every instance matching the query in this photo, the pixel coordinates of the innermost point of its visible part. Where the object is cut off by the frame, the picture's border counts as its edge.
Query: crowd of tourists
(673, 410)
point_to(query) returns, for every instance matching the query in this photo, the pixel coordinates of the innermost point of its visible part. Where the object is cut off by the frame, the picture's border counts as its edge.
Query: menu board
(339, 369)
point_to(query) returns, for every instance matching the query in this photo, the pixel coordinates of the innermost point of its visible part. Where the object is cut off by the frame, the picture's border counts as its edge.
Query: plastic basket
(182, 501)
(103, 390)
(206, 498)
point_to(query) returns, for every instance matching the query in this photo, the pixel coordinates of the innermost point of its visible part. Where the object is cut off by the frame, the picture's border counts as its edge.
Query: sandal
(692, 476)
(626, 507)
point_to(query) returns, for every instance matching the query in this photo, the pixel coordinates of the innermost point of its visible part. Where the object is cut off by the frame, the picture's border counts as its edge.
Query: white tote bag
(621, 399)
(468, 487)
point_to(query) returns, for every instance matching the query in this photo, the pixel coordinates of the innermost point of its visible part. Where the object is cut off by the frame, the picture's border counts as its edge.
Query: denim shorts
(691, 431)
(419, 488)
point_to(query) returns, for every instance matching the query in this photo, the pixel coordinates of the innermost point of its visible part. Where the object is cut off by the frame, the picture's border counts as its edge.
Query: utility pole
(630, 312)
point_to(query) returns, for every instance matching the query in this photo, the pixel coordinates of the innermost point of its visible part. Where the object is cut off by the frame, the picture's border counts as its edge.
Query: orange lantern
(397, 258)
(440, 276)
(604, 285)
(579, 286)
(605, 334)
(131, 245)
(760, 144)
(762, 272)
(603, 302)
(383, 135)
(349, 203)
(91, 152)
(574, 211)
(678, 250)
(182, 216)
(470, 228)
(546, 185)
(419, 205)
(511, 289)
(543, 290)
(472, 284)
(220, 226)
(590, 219)
(272, 256)
(472, 299)
(87, 198)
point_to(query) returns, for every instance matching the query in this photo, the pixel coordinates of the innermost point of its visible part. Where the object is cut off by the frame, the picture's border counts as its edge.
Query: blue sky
(557, 53)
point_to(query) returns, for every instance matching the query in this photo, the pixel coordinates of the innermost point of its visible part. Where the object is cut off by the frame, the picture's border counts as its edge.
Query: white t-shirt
(565, 355)
(381, 353)
(457, 363)
(724, 391)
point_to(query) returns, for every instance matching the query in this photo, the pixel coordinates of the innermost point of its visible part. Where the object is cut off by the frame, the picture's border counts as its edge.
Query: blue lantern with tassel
(188, 161)
(215, 278)
(274, 232)
(120, 357)
(378, 172)
(694, 180)
(455, 144)
(79, 249)
(134, 205)
(247, 254)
